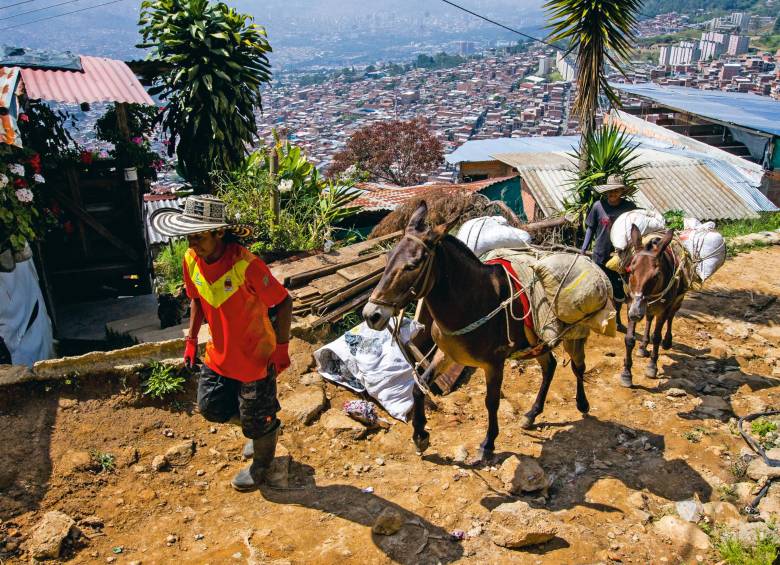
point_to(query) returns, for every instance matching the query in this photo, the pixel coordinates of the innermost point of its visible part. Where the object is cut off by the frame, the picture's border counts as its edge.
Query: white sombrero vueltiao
(201, 213)
(614, 182)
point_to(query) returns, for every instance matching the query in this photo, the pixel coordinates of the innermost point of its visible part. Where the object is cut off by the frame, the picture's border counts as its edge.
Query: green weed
(163, 381)
(738, 469)
(696, 434)
(767, 221)
(727, 492)
(761, 427)
(105, 461)
(735, 552)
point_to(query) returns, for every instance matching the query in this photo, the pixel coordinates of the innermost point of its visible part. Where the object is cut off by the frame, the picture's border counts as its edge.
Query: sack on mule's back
(584, 288)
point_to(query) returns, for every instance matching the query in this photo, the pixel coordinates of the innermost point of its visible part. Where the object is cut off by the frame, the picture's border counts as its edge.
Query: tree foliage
(607, 151)
(394, 151)
(213, 61)
(599, 32)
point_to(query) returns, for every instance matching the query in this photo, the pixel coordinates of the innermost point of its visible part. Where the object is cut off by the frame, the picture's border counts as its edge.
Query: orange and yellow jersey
(235, 293)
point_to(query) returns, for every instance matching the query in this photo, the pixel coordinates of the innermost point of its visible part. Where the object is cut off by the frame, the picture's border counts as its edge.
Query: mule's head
(409, 273)
(645, 276)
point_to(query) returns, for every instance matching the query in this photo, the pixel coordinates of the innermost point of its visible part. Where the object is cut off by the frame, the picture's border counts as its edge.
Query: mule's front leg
(625, 376)
(667, 342)
(421, 437)
(642, 351)
(576, 350)
(494, 375)
(547, 363)
(651, 371)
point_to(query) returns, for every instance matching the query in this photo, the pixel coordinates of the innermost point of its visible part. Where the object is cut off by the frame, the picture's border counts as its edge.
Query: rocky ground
(644, 479)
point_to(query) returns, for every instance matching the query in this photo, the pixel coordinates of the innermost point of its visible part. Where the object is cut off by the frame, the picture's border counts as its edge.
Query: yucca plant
(598, 31)
(606, 151)
(212, 61)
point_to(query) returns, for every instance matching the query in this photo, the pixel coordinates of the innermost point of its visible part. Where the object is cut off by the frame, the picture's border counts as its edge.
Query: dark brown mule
(464, 297)
(656, 288)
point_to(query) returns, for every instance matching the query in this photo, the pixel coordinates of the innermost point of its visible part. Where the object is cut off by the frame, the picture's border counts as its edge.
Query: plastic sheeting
(24, 322)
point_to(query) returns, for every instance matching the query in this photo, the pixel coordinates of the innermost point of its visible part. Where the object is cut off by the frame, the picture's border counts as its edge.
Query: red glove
(190, 352)
(280, 358)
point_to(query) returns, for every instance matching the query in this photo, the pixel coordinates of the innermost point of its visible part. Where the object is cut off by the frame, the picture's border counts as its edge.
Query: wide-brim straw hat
(614, 182)
(201, 214)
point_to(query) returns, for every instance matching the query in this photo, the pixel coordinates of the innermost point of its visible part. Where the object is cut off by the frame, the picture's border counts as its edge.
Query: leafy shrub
(733, 551)
(674, 219)
(167, 267)
(106, 461)
(163, 381)
(761, 427)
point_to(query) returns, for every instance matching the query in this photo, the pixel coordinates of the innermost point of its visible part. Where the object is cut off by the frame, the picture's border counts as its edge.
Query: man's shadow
(417, 542)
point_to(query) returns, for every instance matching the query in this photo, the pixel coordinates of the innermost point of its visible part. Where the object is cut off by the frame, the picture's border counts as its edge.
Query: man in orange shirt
(234, 291)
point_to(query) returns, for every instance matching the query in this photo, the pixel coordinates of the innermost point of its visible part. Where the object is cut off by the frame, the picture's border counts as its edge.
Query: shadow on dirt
(589, 450)
(417, 542)
(738, 305)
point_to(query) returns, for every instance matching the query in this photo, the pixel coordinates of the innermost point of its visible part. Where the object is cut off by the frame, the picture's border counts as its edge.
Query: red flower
(86, 157)
(20, 183)
(24, 118)
(68, 227)
(35, 163)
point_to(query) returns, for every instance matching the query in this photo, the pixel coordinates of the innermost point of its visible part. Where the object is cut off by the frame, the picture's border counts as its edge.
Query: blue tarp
(759, 113)
(39, 59)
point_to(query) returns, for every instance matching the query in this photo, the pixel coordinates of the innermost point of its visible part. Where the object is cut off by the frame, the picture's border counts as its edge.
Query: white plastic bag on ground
(492, 232)
(706, 246)
(646, 220)
(24, 322)
(365, 360)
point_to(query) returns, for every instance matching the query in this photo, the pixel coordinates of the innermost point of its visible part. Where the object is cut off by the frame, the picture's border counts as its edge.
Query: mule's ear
(665, 241)
(443, 229)
(417, 222)
(636, 238)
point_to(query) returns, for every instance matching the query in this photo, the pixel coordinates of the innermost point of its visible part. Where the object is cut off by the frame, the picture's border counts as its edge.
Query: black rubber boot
(249, 449)
(250, 478)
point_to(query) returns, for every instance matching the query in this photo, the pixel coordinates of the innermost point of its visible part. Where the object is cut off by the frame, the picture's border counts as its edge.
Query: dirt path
(640, 439)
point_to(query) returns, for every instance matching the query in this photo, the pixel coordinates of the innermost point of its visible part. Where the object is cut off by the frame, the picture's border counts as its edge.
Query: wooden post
(276, 204)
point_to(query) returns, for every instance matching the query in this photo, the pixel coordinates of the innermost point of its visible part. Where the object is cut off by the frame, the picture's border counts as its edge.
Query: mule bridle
(657, 297)
(424, 276)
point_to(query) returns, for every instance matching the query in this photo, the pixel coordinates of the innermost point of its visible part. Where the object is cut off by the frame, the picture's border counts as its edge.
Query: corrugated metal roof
(670, 185)
(483, 149)
(759, 113)
(154, 237)
(103, 80)
(378, 197)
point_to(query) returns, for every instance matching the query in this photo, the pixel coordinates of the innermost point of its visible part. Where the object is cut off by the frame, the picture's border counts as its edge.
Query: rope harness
(675, 278)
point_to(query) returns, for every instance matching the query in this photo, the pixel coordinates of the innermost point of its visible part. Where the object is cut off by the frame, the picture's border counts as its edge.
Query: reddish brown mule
(464, 297)
(656, 288)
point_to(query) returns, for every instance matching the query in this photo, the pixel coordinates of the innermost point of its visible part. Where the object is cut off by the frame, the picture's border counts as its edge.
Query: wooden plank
(301, 278)
(344, 309)
(360, 270)
(95, 225)
(352, 290)
(75, 192)
(329, 296)
(329, 283)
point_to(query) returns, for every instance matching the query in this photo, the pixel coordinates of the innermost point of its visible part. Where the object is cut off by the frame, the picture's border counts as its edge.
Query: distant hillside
(655, 7)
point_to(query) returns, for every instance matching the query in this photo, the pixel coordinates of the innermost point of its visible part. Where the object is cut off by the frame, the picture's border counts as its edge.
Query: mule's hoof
(651, 372)
(482, 457)
(583, 408)
(526, 423)
(626, 380)
(642, 352)
(621, 328)
(666, 344)
(422, 443)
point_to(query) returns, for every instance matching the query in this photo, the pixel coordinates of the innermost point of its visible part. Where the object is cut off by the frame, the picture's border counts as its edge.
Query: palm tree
(600, 31)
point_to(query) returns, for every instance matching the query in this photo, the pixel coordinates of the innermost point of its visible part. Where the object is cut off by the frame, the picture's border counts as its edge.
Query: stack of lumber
(327, 286)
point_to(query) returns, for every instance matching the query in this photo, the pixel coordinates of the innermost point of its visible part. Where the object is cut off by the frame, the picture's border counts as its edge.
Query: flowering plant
(136, 150)
(23, 216)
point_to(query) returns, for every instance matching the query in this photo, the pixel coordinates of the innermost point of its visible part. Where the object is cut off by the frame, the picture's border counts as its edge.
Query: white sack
(647, 221)
(19, 293)
(365, 360)
(694, 224)
(485, 234)
(707, 248)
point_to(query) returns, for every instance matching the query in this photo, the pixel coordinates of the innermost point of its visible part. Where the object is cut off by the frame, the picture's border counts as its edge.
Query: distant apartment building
(729, 71)
(738, 44)
(545, 65)
(565, 67)
(684, 53)
(709, 50)
(465, 48)
(713, 36)
(664, 56)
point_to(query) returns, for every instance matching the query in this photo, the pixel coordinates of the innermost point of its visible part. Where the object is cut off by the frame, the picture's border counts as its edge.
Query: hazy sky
(112, 30)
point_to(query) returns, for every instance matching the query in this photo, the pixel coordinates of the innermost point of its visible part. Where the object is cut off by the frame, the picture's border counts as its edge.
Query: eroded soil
(726, 343)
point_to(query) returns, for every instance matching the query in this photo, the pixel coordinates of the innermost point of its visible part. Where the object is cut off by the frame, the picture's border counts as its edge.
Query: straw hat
(614, 182)
(201, 213)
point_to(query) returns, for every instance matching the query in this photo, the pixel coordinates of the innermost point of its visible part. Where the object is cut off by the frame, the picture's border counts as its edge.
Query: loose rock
(159, 463)
(48, 535)
(758, 469)
(682, 532)
(689, 510)
(181, 453)
(461, 454)
(336, 423)
(522, 474)
(516, 525)
(721, 512)
(305, 406)
(75, 462)
(676, 392)
(388, 522)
